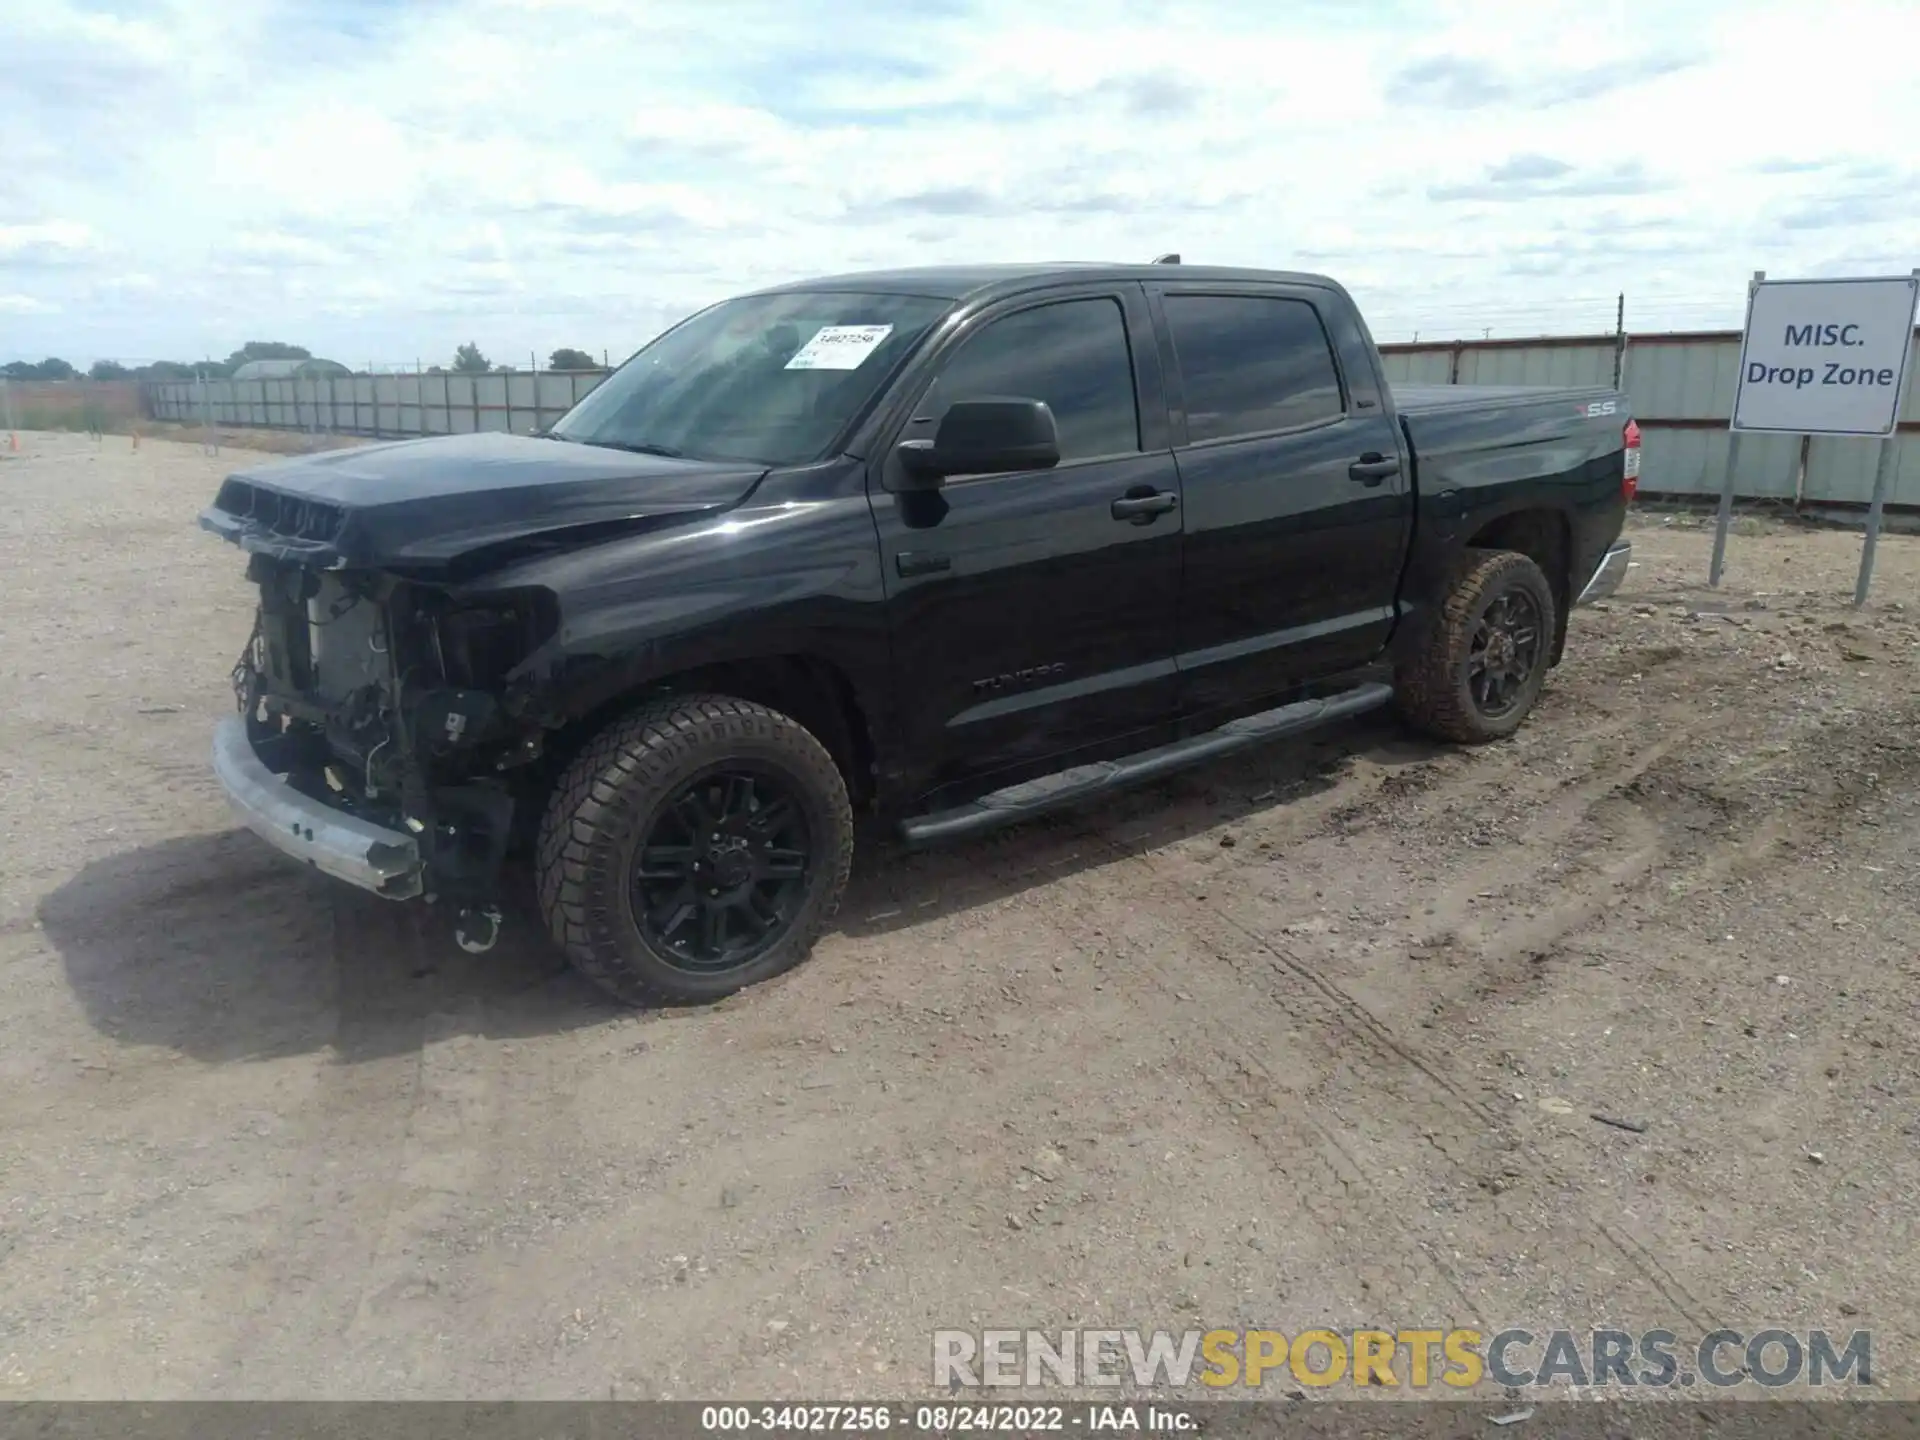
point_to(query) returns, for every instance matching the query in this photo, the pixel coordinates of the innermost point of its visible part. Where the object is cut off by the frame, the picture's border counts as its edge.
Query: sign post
(1823, 357)
(1723, 519)
(1882, 479)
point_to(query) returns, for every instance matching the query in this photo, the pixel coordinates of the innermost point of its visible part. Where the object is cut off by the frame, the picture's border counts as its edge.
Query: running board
(1067, 787)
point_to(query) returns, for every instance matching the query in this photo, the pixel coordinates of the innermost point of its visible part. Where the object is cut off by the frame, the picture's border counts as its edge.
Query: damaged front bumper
(372, 857)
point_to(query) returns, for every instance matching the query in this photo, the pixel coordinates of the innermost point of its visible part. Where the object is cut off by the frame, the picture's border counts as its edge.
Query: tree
(165, 370)
(266, 350)
(468, 360)
(567, 358)
(51, 368)
(108, 370)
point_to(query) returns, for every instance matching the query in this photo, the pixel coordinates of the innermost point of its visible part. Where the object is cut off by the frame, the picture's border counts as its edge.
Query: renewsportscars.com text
(1414, 1358)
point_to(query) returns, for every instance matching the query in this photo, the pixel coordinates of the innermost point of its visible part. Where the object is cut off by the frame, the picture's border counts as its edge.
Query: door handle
(1373, 467)
(921, 562)
(1141, 508)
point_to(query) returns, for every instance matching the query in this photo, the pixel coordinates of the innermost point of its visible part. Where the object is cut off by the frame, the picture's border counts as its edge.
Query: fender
(1479, 469)
(793, 572)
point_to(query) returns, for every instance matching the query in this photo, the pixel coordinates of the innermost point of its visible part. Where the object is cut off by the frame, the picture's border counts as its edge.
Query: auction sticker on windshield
(839, 347)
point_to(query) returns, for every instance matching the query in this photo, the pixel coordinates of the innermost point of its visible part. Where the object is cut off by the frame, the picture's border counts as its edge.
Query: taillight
(1630, 478)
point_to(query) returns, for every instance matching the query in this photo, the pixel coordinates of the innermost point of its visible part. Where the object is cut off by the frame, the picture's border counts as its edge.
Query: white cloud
(49, 240)
(274, 248)
(383, 182)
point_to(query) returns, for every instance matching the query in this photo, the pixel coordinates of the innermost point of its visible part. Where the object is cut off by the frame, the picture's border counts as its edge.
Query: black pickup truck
(945, 546)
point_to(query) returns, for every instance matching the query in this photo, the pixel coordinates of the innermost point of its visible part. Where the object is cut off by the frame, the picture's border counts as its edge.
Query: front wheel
(696, 847)
(1478, 668)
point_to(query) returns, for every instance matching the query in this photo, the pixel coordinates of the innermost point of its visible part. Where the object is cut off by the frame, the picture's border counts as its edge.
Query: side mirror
(996, 436)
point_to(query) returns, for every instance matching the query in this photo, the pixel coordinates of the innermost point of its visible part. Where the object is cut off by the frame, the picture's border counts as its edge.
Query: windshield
(769, 379)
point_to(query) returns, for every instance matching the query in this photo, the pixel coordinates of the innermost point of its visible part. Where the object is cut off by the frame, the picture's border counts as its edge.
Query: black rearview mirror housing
(998, 435)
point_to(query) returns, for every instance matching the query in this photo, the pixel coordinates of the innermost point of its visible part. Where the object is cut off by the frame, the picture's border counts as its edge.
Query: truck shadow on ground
(894, 888)
(219, 948)
(216, 947)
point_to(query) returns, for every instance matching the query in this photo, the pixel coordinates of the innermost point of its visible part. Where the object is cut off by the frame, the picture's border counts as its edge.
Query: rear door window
(1250, 364)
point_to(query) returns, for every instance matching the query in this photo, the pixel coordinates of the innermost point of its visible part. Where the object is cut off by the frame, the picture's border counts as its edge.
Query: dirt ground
(1312, 1038)
(228, 437)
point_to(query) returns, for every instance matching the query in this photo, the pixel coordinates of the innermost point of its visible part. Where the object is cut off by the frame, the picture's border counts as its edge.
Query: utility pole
(1619, 338)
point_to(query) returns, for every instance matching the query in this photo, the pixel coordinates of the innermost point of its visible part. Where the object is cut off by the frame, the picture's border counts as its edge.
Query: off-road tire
(592, 825)
(1431, 683)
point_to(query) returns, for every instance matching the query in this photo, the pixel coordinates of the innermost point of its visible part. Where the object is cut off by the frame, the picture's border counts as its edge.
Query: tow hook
(477, 930)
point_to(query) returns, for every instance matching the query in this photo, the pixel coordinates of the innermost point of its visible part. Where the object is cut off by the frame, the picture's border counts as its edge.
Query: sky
(382, 181)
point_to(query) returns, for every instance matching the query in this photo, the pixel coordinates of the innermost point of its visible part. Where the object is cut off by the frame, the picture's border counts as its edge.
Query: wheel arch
(1545, 536)
(813, 690)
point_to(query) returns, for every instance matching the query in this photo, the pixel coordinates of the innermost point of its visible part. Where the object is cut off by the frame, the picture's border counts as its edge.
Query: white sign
(1825, 357)
(839, 347)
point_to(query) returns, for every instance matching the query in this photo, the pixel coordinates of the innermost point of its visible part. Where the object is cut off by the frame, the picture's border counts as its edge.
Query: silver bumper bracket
(1607, 576)
(387, 862)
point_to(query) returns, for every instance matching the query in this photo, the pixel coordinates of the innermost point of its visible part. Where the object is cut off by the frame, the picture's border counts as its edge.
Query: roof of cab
(968, 282)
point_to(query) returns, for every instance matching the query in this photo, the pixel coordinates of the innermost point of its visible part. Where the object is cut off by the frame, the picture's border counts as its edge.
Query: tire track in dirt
(1262, 1093)
(1441, 1113)
(1358, 1053)
(436, 1167)
(390, 1141)
(1355, 1053)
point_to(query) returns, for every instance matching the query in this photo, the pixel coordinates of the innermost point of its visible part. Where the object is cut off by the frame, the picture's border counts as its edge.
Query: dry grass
(96, 405)
(231, 437)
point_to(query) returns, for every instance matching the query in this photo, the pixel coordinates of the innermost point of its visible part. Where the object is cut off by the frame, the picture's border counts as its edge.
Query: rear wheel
(1476, 672)
(695, 847)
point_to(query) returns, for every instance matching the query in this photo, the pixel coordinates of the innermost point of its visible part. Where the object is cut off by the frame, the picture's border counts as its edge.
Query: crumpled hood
(425, 504)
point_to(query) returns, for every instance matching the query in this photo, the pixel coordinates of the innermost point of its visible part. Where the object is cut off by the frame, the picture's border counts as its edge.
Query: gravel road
(1310, 1038)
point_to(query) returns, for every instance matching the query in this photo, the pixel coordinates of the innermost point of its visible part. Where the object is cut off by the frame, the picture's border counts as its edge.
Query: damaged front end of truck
(393, 704)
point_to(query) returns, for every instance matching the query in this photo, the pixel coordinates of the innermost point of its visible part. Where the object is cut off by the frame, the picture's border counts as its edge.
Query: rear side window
(1251, 363)
(1072, 354)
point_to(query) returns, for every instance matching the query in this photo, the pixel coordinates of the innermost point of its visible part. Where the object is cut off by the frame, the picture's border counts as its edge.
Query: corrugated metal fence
(389, 406)
(1682, 390)
(1681, 385)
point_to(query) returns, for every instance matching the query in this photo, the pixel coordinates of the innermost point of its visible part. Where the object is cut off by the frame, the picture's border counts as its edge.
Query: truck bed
(1433, 399)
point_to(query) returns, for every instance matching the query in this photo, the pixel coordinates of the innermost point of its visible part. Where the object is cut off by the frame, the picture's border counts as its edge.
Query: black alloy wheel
(1471, 668)
(722, 868)
(696, 845)
(1504, 653)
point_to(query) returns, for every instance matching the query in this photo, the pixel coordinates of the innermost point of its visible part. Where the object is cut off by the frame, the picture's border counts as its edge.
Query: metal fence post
(1619, 338)
(1723, 521)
